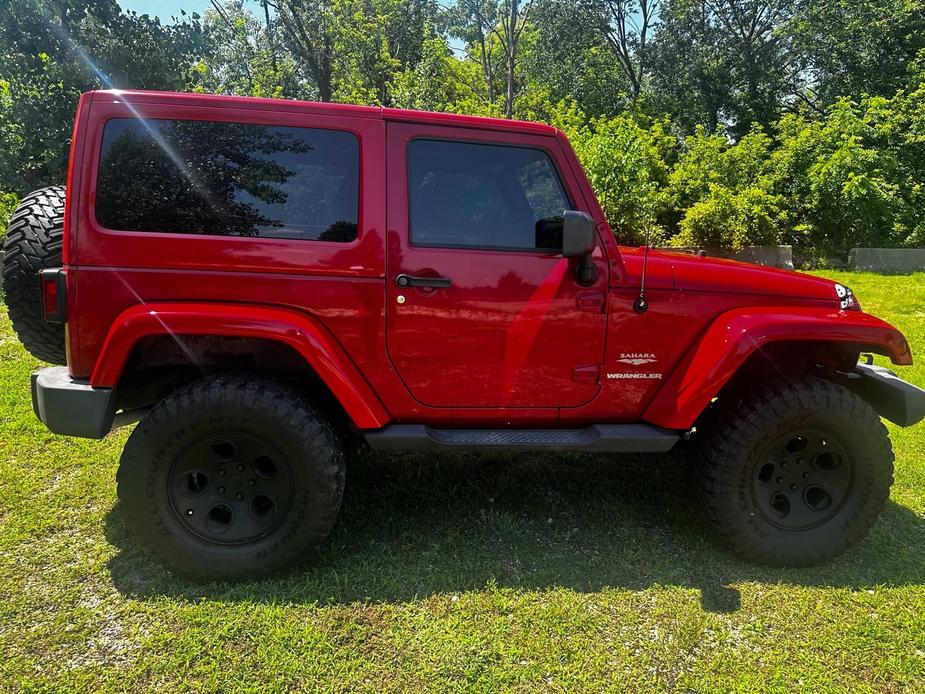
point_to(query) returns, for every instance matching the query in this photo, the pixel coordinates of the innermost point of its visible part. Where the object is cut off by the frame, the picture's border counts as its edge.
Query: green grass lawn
(560, 573)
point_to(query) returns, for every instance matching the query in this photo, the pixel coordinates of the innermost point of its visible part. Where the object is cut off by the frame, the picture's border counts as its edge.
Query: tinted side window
(228, 179)
(463, 194)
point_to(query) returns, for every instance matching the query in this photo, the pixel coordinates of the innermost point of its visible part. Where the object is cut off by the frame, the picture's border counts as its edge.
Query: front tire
(794, 472)
(231, 478)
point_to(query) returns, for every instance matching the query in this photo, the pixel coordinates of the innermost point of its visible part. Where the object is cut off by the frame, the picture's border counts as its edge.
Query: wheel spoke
(766, 474)
(800, 513)
(795, 444)
(196, 513)
(278, 488)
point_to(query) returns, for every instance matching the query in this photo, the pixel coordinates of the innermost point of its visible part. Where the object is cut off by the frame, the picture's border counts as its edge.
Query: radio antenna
(641, 305)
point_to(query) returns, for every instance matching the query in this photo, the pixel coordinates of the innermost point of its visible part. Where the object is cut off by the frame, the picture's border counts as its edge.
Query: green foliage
(364, 64)
(572, 61)
(846, 177)
(855, 177)
(726, 123)
(430, 85)
(727, 218)
(721, 192)
(243, 58)
(692, 74)
(625, 160)
(51, 51)
(8, 203)
(353, 51)
(725, 61)
(855, 47)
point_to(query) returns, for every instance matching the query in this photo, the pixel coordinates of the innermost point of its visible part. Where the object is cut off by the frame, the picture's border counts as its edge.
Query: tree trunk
(512, 36)
(509, 97)
(325, 91)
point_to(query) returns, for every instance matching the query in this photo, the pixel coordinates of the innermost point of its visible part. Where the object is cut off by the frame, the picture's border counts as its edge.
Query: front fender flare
(729, 341)
(308, 337)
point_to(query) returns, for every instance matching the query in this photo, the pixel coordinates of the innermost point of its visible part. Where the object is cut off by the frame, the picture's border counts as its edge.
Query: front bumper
(893, 398)
(69, 407)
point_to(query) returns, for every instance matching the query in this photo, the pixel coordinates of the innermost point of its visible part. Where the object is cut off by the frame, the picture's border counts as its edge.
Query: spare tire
(33, 242)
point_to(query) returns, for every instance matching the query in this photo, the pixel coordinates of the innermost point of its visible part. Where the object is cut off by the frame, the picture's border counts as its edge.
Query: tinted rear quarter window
(228, 179)
(472, 195)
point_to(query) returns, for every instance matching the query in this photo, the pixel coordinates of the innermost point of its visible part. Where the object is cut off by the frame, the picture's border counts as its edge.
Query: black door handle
(411, 281)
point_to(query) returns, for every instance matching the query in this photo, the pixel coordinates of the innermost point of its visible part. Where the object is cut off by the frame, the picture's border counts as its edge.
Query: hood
(696, 273)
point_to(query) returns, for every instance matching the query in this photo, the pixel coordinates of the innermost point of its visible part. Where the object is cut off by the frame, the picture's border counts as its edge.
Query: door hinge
(586, 374)
(592, 302)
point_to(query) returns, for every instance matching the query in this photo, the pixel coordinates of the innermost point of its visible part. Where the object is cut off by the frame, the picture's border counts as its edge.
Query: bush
(721, 193)
(852, 177)
(626, 160)
(845, 181)
(730, 219)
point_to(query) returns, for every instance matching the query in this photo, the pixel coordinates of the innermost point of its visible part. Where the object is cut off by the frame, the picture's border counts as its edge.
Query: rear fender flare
(729, 341)
(308, 337)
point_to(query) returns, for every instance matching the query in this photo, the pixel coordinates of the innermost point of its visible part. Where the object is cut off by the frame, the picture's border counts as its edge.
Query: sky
(165, 9)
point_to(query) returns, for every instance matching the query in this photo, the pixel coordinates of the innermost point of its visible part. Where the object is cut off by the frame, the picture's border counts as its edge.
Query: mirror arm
(586, 273)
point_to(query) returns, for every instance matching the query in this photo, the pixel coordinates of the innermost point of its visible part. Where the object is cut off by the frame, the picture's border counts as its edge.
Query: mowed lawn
(532, 572)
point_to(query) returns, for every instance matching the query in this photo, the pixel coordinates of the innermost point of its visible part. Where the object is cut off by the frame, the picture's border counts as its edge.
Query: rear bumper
(893, 398)
(69, 407)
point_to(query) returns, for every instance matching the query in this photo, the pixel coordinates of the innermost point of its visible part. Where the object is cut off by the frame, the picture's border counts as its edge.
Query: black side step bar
(609, 438)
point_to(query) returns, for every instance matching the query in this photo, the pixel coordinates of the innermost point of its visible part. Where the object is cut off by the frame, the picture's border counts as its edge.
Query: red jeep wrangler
(256, 280)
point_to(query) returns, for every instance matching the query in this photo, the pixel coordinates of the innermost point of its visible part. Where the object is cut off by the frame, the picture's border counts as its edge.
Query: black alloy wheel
(793, 472)
(231, 487)
(232, 477)
(802, 480)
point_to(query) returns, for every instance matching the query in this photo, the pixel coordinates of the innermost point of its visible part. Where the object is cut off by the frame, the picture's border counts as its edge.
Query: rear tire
(231, 478)
(34, 239)
(794, 472)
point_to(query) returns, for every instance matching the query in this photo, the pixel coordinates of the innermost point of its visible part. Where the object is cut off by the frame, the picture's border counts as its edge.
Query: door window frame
(569, 197)
(399, 133)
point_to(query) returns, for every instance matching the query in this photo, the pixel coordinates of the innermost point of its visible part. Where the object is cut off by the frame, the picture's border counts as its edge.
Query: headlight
(846, 299)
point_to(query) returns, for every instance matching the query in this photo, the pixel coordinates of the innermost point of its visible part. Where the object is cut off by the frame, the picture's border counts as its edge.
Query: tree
(851, 178)
(430, 85)
(244, 58)
(514, 17)
(473, 21)
(52, 50)
(724, 61)
(353, 50)
(855, 47)
(691, 71)
(310, 33)
(626, 26)
(627, 160)
(493, 30)
(569, 59)
(760, 59)
(722, 191)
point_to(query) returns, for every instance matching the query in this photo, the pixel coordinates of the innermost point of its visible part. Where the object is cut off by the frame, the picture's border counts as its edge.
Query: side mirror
(578, 234)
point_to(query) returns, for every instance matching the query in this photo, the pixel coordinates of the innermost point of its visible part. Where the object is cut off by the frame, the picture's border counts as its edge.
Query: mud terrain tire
(33, 242)
(794, 472)
(231, 477)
